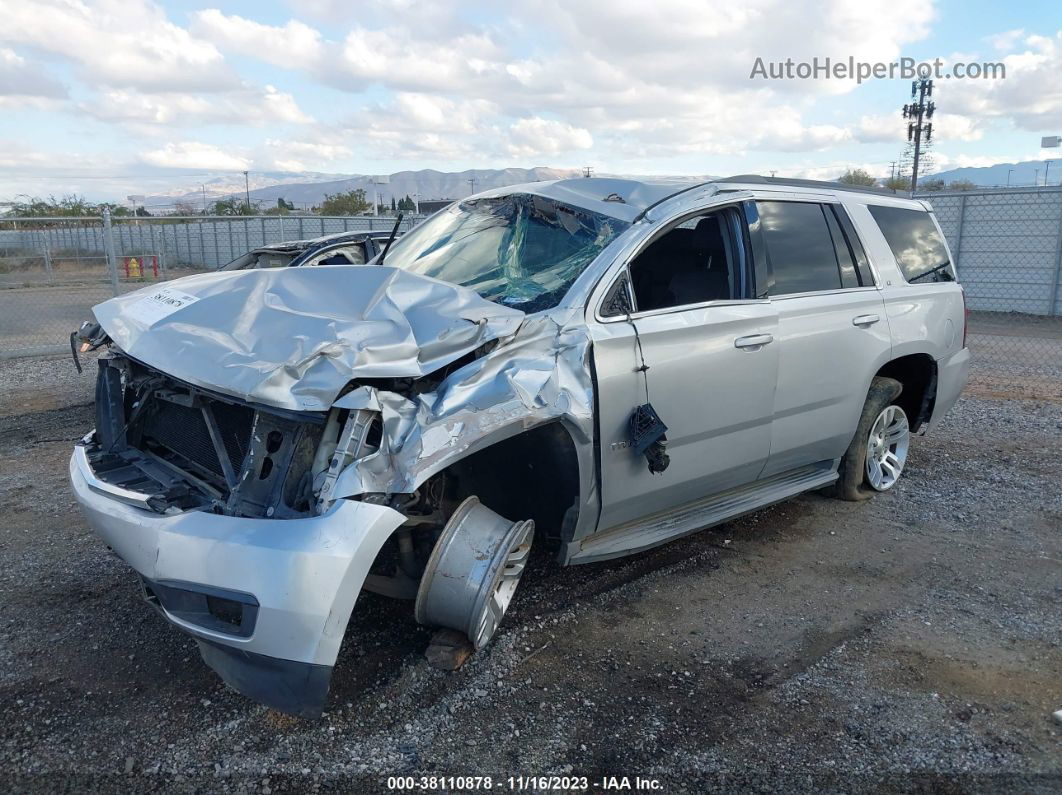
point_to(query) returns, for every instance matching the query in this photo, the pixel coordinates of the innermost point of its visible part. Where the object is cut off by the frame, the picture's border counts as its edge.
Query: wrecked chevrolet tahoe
(594, 365)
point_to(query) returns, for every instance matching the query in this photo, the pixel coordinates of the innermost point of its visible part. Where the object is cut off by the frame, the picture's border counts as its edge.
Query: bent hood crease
(292, 338)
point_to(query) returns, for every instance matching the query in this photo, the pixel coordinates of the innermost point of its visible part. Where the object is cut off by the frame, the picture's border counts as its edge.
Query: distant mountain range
(1028, 172)
(310, 188)
(305, 189)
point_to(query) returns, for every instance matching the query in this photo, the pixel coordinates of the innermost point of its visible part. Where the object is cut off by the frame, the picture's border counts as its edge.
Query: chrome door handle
(865, 320)
(753, 341)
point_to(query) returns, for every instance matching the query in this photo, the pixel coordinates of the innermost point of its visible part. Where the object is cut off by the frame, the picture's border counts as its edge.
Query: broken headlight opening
(187, 448)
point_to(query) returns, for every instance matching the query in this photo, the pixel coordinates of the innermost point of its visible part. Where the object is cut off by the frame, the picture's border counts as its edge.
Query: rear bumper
(302, 577)
(952, 374)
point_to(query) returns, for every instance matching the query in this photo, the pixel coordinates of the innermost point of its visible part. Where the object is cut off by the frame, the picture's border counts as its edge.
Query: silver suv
(595, 365)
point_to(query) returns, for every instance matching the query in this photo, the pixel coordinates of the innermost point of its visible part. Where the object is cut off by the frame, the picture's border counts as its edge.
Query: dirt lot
(907, 643)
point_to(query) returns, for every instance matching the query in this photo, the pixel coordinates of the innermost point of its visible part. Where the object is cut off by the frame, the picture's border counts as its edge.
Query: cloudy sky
(117, 96)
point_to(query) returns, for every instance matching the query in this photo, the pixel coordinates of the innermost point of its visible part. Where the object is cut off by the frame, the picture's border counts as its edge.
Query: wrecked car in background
(342, 248)
(596, 365)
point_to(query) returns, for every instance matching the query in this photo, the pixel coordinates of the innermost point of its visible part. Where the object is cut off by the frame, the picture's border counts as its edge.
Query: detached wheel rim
(887, 447)
(473, 571)
(490, 614)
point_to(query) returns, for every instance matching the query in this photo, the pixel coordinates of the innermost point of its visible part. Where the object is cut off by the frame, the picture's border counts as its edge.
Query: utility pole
(247, 190)
(472, 185)
(892, 171)
(204, 199)
(917, 127)
(588, 171)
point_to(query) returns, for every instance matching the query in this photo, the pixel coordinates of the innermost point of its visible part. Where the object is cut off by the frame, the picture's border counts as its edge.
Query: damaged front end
(179, 447)
(269, 444)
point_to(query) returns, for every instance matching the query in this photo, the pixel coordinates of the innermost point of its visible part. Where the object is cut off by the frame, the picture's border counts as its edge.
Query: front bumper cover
(304, 574)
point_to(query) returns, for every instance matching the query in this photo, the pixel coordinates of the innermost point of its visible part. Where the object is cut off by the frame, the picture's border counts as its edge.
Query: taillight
(965, 315)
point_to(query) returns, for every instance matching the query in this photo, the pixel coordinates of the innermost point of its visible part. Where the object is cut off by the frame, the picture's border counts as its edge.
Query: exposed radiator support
(353, 444)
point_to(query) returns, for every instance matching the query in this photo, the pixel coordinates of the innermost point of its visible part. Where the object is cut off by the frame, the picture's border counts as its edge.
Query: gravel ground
(906, 643)
(32, 385)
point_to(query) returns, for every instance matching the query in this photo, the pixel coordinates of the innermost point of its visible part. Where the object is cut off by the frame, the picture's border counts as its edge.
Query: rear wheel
(887, 448)
(877, 454)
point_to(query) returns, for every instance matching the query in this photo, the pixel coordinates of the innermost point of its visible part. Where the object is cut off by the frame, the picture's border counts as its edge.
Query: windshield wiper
(935, 269)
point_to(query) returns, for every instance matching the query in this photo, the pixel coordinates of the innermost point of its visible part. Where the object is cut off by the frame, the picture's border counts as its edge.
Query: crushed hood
(294, 337)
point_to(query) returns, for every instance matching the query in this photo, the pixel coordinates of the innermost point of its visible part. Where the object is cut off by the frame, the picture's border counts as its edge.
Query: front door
(712, 363)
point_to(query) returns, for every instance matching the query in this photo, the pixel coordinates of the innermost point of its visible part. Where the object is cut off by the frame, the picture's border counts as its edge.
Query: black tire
(851, 485)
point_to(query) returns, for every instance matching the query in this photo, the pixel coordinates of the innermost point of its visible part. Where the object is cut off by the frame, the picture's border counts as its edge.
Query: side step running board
(663, 527)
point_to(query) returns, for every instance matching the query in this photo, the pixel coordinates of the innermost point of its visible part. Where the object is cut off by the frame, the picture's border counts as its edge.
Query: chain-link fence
(53, 270)
(1007, 244)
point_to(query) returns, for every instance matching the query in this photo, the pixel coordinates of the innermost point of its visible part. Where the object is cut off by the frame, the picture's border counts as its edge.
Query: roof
(599, 194)
(625, 199)
(785, 182)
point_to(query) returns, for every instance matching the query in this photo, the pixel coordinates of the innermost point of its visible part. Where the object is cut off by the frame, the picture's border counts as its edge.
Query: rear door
(833, 334)
(706, 343)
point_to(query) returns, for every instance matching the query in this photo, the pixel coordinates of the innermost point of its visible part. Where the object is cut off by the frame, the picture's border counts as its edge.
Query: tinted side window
(799, 247)
(845, 261)
(866, 277)
(915, 242)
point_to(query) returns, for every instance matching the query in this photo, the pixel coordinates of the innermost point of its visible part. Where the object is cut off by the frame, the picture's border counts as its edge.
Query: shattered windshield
(521, 250)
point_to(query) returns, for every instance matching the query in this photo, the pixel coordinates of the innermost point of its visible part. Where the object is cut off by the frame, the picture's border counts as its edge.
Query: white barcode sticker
(158, 304)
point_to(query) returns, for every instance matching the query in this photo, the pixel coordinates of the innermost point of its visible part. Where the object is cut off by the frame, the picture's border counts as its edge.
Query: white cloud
(195, 155)
(880, 128)
(444, 83)
(20, 78)
(282, 45)
(1031, 94)
(673, 80)
(537, 137)
(1007, 40)
(948, 127)
(278, 155)
(119, 43)
(246, 106)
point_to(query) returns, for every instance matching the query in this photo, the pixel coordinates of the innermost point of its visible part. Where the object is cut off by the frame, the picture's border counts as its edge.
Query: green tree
(69, 205)
(282, 208)
(931, 184)
(353, 202)
(232, 206)
(117, 210)
(898, 183)
(857, 176)
(394, 207)
(407, 205)
(961, 184)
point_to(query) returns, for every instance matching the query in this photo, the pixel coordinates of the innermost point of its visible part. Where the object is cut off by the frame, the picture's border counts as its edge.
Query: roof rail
(781, 182)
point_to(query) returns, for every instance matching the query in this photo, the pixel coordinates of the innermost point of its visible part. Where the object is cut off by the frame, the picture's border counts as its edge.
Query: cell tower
(918, 156)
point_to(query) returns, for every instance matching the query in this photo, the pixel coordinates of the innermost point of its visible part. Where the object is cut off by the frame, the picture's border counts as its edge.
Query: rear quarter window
(916, 244)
